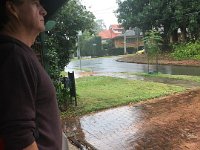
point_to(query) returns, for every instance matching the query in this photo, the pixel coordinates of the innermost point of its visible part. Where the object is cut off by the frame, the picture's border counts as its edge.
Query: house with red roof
(112, 32)
(117, 35)
(133, 39)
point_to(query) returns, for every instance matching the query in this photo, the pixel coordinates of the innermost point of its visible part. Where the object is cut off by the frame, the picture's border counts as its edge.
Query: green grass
(179, 77)
(97, 93)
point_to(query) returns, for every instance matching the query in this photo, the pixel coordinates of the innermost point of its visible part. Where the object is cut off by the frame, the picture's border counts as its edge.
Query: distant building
(112, 32)
(132, 39)
(119, 37)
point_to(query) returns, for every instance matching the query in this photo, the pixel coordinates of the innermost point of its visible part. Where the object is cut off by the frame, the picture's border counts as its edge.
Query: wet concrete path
(166, 123)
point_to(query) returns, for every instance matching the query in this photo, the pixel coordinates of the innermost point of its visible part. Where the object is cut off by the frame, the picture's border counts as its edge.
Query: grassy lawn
(97, 93)
(179, 77)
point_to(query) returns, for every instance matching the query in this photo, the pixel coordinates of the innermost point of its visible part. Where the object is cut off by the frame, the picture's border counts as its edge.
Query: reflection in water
(111, 65)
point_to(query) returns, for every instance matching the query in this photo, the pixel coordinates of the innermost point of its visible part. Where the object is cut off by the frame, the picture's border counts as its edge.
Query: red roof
(109, 34)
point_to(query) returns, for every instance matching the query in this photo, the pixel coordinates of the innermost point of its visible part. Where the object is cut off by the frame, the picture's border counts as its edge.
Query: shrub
(186, 51)
(55, 59)
(120, 51)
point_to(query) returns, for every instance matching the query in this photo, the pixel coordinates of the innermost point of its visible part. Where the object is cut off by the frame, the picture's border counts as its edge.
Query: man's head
(25, 14)
(4, 16)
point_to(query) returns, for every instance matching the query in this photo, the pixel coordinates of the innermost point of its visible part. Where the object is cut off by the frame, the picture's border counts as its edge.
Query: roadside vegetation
(185, 51)
(176, 21)
(97, 93)
(60, 42)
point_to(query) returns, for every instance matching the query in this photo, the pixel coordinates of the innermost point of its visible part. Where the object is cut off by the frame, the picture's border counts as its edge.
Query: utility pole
(125, 52)
(79, 49)
(94, 49)
(137, 32)
(137, 42)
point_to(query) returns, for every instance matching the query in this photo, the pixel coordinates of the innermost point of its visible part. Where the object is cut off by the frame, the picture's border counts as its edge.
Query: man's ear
(12, 9)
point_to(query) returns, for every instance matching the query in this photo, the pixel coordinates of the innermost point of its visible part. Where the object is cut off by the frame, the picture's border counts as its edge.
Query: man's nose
(43, 12)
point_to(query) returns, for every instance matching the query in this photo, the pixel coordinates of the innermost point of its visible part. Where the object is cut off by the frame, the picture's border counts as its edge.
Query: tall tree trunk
(174, 36)
(195, 35)
(183, 34)
(166, 38)
(157, 62)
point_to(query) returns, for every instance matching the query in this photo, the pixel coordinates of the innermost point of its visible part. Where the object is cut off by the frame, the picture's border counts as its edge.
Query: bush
(55, 59)
(186, 51)
(120, 51)
(63, 95)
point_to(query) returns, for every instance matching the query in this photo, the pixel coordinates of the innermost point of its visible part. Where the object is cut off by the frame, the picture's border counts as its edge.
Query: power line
(105, 9)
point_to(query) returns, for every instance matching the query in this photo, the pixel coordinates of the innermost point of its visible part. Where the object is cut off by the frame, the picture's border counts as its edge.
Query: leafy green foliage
(51, 60)
(152, 42)
(189, 50)
(61, 40)
(54, 68)
(91, 46)
(168, 15)
(99, 26)
(63, 96)
(74, 17)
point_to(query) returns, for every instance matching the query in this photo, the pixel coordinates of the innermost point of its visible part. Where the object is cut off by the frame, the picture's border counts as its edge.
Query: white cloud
(102, 9)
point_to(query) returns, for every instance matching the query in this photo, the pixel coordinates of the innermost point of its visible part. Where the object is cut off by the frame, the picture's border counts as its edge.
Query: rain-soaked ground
(166, 123)
(178, 82)
(110, 64)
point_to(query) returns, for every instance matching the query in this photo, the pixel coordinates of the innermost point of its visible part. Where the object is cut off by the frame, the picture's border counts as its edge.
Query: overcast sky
(102, 9)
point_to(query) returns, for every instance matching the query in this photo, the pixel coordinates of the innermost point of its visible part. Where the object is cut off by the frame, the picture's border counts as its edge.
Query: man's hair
(4, 17)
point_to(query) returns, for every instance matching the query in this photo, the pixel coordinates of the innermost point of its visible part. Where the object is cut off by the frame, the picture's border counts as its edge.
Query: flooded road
(111, 65)
(169, 123)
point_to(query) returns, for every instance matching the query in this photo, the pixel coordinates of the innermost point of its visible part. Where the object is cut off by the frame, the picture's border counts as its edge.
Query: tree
(169, 15)
(73, 17)
(99, 26)
(61, 40)
(91, 45)
(152, 42)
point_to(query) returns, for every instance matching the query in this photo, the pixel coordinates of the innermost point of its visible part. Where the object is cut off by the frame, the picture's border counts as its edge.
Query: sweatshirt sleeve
(18, 85)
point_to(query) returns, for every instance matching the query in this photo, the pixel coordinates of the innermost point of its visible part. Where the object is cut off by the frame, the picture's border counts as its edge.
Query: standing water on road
(111, 65)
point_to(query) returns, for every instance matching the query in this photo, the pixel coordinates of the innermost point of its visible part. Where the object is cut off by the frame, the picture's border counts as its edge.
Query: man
(29, 118)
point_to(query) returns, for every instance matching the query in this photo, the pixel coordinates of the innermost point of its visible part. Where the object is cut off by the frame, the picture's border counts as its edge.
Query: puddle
(112, 126)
